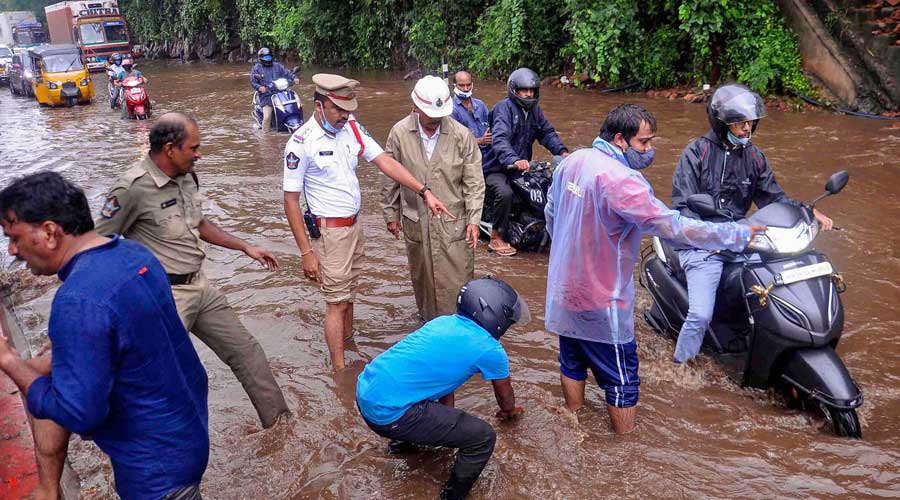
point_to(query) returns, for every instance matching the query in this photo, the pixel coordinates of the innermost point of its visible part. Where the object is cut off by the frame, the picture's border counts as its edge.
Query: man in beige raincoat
(444, 155)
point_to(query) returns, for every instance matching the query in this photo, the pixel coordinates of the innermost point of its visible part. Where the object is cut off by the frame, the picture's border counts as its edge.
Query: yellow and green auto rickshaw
(60, 77)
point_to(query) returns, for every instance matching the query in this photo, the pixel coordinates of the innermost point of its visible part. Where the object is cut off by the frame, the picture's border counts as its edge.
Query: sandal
(506, 250)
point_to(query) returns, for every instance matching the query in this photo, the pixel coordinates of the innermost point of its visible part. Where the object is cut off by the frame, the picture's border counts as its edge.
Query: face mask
(325, 125)
(738, 141)
(639, 161)
(461, 94)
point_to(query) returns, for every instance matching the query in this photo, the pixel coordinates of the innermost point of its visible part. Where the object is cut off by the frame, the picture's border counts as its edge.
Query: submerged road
(699, 435)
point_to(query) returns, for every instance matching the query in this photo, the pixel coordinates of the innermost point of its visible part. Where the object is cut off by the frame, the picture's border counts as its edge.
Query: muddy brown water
(699, 435)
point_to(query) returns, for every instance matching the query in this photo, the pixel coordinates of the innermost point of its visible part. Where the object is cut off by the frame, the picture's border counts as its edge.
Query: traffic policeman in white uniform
(320, 160)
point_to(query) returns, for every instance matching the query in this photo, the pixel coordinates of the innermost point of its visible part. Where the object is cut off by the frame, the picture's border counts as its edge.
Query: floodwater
(699, 435)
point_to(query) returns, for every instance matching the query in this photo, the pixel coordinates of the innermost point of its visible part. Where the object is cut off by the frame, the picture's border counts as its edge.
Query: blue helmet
(265, 56)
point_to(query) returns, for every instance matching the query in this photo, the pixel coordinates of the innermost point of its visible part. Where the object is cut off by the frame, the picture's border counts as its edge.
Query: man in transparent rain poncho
(599, 206)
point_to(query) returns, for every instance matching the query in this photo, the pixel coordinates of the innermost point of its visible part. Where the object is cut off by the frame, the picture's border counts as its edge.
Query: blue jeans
(703, 270)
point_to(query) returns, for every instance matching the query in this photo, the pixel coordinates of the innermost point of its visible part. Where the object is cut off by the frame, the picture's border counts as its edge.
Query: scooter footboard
(821, 375)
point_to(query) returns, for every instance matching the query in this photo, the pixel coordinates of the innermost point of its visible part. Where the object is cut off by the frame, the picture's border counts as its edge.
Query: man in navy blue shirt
(406, 393)
(516, 122)
(471, 111)
(122, 370)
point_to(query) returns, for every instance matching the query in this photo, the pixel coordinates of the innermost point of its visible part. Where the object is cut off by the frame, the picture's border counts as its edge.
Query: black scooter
(527, 227)
(777, 321)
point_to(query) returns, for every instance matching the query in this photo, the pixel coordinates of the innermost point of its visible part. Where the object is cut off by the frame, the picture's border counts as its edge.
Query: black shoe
(397, 447)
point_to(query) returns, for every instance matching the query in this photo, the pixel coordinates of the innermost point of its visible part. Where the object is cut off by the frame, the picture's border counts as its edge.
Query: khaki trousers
(206, 313)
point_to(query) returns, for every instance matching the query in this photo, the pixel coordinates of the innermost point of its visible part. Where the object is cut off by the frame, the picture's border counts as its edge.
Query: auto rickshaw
(60, 77)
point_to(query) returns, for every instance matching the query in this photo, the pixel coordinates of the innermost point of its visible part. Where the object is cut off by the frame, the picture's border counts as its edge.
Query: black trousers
(499, 185)
(432, 424)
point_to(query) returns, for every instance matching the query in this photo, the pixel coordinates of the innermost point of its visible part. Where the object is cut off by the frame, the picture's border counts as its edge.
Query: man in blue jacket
(406, 393)
(122, 370)
(516, 122)
(262, 75)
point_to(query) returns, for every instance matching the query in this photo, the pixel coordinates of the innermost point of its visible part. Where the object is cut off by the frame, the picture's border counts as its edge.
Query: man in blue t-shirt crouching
(406, 393)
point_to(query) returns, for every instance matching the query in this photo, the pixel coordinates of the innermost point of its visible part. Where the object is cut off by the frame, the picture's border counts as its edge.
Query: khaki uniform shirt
(161, 213)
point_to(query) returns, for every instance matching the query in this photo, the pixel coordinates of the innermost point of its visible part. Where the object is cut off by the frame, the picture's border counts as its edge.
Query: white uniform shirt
(326, 167)
(428, 142)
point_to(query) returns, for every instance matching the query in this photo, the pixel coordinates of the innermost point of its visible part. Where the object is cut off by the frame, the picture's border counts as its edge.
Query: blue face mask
(739, 141)
(639, 161)
(325, 125)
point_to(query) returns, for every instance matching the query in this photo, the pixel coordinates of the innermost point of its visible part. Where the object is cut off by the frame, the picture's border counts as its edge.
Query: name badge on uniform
(326, 153)
(167, 203)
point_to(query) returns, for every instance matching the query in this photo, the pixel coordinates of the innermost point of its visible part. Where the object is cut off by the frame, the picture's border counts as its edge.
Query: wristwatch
(426, 187)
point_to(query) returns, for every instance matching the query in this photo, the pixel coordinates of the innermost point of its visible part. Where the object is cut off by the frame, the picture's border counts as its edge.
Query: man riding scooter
(113, 69)
(128, 71)
(516, 122)
(725, 164)
(262, 75)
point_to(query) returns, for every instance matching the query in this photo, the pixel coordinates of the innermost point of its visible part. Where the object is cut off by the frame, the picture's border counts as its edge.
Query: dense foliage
(656, 43)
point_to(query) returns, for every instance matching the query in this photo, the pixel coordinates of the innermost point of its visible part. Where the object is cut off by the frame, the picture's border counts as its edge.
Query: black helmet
(493, 304)
(734, 103)
(265, 56)
(524, 78)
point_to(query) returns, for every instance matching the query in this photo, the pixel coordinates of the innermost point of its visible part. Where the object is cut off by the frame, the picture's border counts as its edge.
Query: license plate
(803, 273)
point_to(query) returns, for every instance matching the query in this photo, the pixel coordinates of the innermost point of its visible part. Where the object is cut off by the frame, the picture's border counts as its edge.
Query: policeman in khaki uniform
(157, 203)
(444, 154)
(320, 160)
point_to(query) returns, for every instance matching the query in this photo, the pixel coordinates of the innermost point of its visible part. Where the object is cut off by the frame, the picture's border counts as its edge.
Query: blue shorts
(615, 367)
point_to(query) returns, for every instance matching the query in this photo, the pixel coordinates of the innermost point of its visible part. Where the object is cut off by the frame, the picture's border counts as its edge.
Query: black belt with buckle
(181, 279)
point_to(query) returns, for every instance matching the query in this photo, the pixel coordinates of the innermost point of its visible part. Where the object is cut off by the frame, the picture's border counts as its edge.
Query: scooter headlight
(52, 85)
(786, 240)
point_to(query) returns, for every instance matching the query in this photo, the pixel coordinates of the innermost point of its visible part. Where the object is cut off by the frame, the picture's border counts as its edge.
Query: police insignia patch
(110, 208)
(292, 161)
(300, 139)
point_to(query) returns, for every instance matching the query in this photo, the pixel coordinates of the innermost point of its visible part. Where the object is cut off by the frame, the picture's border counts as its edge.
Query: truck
(19, 29)
(96, 26)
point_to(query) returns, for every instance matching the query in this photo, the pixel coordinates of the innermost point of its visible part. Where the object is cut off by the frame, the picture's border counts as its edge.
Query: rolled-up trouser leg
(268, 112)
(191, 492)
(703, 271)
(219, 327)
(498, 183)
(432, 424)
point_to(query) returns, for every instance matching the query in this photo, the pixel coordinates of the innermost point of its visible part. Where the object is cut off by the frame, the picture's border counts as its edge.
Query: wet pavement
(698, 436)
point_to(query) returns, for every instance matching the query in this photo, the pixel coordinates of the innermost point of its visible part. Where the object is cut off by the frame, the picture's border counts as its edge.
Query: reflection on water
(699, 435)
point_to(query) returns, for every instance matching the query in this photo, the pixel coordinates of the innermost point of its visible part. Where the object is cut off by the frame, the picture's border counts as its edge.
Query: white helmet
(432, 96)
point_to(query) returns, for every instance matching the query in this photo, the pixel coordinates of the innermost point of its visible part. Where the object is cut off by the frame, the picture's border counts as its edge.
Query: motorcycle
(288, 113)
(136, 98)
(112, 89)
(777, 318)
(527, 227)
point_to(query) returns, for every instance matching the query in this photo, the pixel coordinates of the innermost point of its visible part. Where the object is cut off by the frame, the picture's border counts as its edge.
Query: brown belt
(336, 221)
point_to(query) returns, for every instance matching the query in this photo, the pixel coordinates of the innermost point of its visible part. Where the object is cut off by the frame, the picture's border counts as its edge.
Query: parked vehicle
(21, 74)
(527, 226)
(60, 78)
(97, 27)
(136, 98)
(288, 113)
(778, 318)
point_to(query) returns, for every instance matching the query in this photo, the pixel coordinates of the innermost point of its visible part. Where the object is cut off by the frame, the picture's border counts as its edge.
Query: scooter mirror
(837, 181)
(702, 204)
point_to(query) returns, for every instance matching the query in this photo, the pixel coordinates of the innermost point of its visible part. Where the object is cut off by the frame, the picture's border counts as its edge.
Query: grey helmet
(493, 304)
(265, 56)
(734, 103)
(524, 78)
